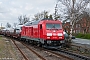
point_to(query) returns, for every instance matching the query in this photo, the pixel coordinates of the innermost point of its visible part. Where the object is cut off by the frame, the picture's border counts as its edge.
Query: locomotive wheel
(39, 44)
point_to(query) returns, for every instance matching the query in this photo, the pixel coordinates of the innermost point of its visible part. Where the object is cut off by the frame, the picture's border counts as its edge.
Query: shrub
(80, 35)
(85, 36)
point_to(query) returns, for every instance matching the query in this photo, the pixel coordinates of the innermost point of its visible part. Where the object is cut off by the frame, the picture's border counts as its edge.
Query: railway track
(81, 48)
(42, 58)
(24, 54)
(59, 53)
(25, 57)
(68, 54)
(34, 52)
(74, 55)
(50, 52)
(76, 51)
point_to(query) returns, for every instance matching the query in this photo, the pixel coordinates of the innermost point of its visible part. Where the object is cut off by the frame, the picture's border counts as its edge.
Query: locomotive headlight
(49, 34)
(60, 34)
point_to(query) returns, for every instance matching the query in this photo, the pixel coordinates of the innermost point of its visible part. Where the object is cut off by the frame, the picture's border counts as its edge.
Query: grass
(1, 43)
(2, 47)
(6, 49)
(84, 36)
(0, 37)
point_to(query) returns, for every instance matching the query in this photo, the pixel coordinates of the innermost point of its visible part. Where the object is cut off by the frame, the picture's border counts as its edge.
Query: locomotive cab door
(40, 29)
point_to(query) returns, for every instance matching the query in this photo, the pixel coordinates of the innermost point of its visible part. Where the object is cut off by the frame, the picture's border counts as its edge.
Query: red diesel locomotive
(43, 32)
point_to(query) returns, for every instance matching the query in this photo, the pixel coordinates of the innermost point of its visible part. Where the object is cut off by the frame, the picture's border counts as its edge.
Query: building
(66, 27)
(82, 26)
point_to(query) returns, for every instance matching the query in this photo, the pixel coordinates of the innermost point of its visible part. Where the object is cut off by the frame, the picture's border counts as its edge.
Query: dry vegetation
(7, 50)
(1, 45)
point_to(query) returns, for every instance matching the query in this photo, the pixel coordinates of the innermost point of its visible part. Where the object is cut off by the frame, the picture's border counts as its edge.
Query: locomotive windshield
(53, 26)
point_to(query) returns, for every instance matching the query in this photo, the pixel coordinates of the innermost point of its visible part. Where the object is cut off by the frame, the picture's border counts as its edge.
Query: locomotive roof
(35, 22)
(19, 26)
(27, 23)
(47, 19)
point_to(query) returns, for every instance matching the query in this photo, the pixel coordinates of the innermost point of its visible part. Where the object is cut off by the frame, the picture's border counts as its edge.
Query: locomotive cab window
(53, 26)
(40, 26)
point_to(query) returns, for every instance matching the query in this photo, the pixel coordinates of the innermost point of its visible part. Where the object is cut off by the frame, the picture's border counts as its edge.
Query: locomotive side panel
(26, 31)
(23, 31)
(30, 32)
(35, 31)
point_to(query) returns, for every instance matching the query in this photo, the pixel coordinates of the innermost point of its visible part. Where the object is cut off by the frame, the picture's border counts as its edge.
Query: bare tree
(86, 23)
(23, 19)
(88, 11)
(8, 25)
(42, 15)
(15, 25)
(45, 14)
(74, 10)
(20, 19)
(50, 17)
(56, 15)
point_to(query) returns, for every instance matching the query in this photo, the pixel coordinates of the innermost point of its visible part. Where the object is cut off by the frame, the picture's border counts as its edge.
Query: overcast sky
(11, 9)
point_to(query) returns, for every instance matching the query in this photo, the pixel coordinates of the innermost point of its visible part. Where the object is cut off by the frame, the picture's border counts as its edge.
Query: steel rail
(54, 53)
(20, 50)
(57, 54)
(74, 54)
(34, 52)
(80, 46)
